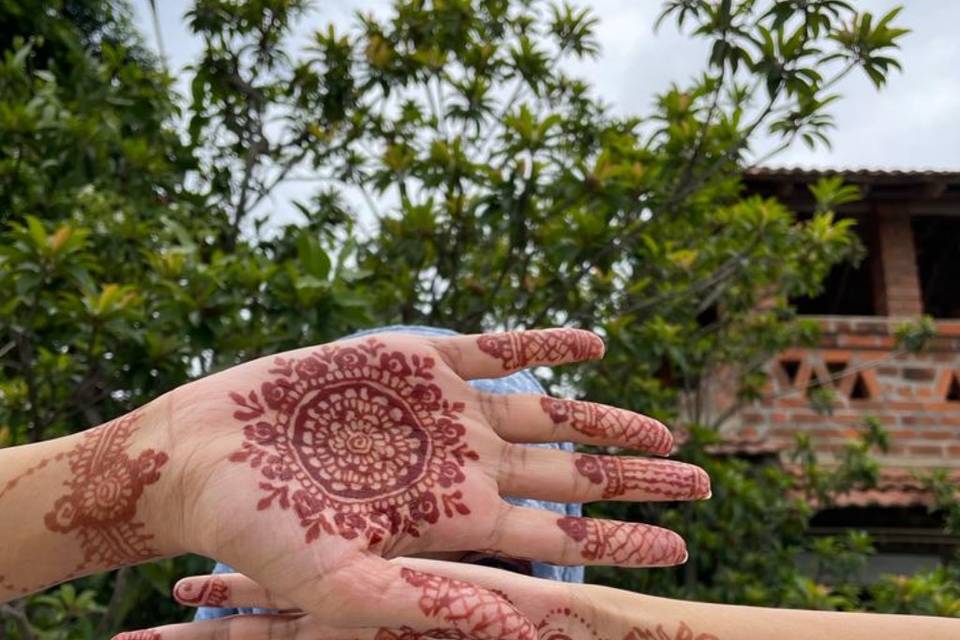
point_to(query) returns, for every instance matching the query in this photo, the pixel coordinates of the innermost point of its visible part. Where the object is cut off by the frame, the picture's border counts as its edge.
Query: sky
(913, 123)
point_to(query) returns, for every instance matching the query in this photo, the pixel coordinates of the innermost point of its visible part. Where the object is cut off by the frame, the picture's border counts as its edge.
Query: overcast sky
(914, 123)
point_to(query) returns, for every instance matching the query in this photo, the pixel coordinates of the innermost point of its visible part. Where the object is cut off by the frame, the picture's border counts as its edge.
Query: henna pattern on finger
(105, 486)
(657, 479)
(518, 349)
(630, 429)
(138, 635)
(479, 613)
(624, 543)
(212, 592)
(357, 441)
(684, 632)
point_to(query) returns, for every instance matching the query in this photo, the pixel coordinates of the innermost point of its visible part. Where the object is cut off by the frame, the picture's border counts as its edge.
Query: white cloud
(913, 123)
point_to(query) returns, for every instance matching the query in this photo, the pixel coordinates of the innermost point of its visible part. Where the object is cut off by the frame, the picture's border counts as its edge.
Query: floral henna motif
(657, 478)
(623, 543)
(357, 440)
(659, 633)
(212, 592)
(600, 421)
(105, 487)
(479, 614)
(517, 349)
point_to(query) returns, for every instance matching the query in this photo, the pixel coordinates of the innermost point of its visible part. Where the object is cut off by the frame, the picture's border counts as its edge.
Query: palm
(378, 447)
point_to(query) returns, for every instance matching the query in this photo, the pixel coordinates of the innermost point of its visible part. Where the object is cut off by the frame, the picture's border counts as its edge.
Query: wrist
(157, 475)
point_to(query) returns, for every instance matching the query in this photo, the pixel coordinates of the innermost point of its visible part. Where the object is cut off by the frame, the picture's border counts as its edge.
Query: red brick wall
(897, 284)
(908, 393)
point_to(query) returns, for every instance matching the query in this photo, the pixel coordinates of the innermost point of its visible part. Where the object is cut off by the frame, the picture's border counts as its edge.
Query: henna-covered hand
(309, 468)
(559, 611)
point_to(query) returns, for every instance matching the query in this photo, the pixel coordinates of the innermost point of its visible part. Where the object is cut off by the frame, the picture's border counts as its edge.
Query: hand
(378, 447)
(307, 469)
(560, 611)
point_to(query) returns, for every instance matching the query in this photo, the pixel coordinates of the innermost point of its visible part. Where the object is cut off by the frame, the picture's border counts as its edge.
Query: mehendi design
(105, 487)
(357, 440)
(407, 633)
(480, 614)
(212, 592)
(138, 635)
(624, 543)
(12, 483)
(684, 632)
(565, 624)
(657, 478)
(600, 421)
(517, 349)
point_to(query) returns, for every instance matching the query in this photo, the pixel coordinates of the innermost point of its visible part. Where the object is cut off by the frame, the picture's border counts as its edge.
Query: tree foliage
(456, 174)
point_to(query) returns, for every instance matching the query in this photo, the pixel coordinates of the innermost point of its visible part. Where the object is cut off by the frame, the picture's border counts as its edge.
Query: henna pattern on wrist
(212, 592)
(104, 488)
(600, 421)
(357, 440)
(624, 543)
(480, 614)
(517, 349)
(657, 478)
(684, 632)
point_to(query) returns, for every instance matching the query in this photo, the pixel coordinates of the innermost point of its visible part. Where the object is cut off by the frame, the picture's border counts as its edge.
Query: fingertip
(599, 347)
(664, 443)
(701, 484)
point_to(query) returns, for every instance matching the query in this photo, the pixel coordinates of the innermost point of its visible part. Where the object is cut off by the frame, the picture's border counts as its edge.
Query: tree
(143, 250)
(111, 254)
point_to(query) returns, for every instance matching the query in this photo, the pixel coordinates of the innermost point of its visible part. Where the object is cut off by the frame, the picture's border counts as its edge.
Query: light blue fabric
(522, 382)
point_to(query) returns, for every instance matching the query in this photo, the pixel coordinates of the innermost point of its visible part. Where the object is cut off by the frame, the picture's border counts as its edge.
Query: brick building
(910, 224)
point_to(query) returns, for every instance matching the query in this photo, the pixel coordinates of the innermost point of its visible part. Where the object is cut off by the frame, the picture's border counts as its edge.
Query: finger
(377, 593)
(537, 418)
(538, 534)
(230, 590)
(559, 476)
(492, 355)
(244, 627)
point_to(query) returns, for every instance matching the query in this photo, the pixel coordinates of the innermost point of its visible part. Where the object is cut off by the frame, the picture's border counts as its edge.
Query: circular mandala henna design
(356, 440)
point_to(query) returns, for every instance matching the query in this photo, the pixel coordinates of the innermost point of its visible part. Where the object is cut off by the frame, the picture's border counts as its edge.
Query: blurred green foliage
(448, 170)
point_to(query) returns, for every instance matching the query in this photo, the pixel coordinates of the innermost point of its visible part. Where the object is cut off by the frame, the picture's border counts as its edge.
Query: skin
(559, 611)
(310, 469)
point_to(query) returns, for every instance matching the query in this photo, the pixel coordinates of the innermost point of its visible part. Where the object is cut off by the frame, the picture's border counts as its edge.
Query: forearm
(631, 616)
(84, 503)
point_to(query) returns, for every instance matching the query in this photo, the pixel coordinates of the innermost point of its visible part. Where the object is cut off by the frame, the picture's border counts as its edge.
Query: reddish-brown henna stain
(655, 478)
(612, 424)
(406, 633)
(357, 440)
(480, 614)
(138, 635)
(623, 543)
(517, 349)
(565, 624)
(8, 487)
(684, 632)
(104, 489)
(212, 592)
